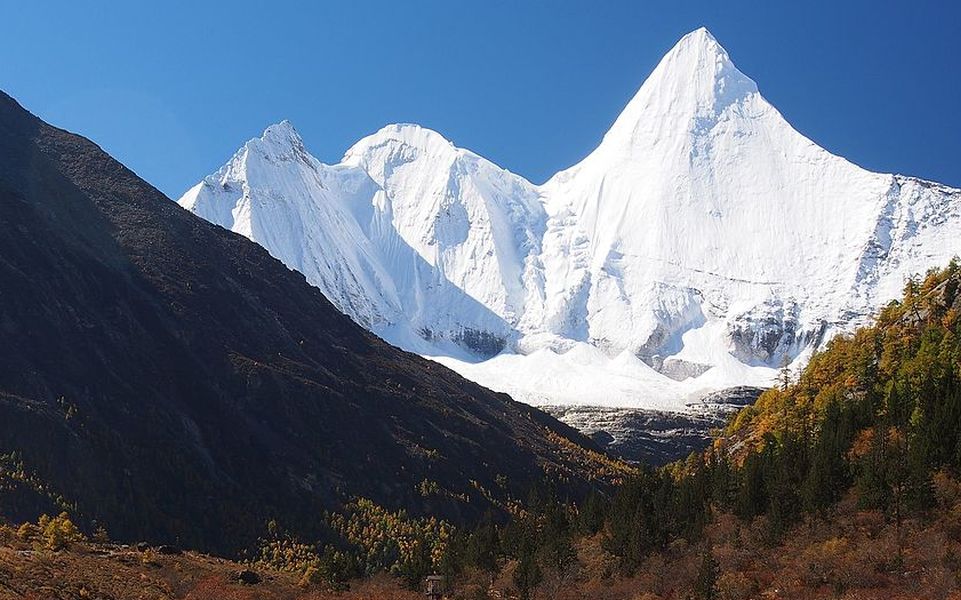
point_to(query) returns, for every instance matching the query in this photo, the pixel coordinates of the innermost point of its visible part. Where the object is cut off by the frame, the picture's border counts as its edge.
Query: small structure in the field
(435, 587)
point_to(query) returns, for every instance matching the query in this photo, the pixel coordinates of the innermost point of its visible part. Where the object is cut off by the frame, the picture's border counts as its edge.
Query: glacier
(704, 244)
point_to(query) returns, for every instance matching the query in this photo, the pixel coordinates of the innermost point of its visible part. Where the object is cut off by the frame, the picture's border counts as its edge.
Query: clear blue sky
(173, 88)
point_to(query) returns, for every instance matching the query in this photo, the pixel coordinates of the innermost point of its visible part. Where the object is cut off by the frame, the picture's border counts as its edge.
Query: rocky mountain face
(174, 382)
(656, 437)
(700, 246)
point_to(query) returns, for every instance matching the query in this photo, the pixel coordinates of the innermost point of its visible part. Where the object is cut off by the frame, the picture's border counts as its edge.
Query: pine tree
(527, 575)
(705, 586)
(751, 493)
(827, 476)
(590, 517)
(784, 374)
(483, 546)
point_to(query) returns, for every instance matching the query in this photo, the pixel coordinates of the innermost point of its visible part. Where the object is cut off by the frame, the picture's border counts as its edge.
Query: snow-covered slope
(700, 246)
(380, 252)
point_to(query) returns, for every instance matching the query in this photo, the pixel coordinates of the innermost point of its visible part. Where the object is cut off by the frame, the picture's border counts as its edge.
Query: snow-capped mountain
(701, 245)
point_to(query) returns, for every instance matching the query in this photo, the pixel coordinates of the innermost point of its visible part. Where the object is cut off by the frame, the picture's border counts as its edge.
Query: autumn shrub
(27, 532)
(829, 563)
(393, 542)
(281, 552)
(150, 558)
(51, 533)
(596, 563)
(736, 586)
(7, 533)
(947, 489)
(330, 568)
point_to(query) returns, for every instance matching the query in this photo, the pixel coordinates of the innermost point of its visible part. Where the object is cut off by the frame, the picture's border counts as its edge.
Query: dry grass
(110, 572)
(852, 554)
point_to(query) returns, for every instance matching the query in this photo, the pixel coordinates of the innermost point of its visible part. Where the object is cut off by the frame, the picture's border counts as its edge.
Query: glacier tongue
(701, 245)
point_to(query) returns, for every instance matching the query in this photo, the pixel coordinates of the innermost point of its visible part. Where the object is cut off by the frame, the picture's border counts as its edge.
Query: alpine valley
(735, 358)
(703, 245)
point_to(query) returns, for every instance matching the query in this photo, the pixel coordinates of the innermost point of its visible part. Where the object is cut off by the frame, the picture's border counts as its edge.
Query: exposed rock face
(656, 437)
(767, 333)
(676, 368)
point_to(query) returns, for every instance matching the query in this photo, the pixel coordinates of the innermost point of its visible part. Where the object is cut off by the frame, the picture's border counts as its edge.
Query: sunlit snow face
(700, 246)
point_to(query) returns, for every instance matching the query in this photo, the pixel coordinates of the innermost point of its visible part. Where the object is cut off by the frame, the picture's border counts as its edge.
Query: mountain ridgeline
(171, 381)
(703, 243)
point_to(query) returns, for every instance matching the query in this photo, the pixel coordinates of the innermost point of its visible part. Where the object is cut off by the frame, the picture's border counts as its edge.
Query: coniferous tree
(590, 517)
(723, 483)
(705, 586)
(556, 542)
(483, 546)
(527, 574)
(827, 476)
(784, 461)
(751, 497)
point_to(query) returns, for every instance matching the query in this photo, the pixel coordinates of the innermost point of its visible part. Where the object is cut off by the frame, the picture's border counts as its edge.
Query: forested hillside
(843, 479)
(841, 482)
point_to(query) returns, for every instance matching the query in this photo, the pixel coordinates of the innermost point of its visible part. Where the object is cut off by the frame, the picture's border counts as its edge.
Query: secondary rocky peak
(283, 132)
(279, 141)
(404, 139)
(417, 152)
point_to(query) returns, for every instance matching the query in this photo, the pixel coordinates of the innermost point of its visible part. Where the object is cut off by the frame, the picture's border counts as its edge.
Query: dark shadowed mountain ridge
(175, 382)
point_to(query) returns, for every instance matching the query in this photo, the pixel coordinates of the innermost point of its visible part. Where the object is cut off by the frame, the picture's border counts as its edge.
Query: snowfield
(700, 246)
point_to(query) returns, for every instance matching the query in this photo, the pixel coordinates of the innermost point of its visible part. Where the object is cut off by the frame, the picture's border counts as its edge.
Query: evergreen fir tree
(705, 586)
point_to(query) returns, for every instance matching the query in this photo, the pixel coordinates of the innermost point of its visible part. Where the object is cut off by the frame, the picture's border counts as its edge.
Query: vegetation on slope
(834, 482)
(871, 430)
(841, 483)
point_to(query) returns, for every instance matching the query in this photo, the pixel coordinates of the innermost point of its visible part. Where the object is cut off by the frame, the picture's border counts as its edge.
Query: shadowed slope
(179, 383)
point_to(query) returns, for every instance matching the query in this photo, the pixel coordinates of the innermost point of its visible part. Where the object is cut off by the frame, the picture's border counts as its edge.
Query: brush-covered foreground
(91, 570)
(851, 554)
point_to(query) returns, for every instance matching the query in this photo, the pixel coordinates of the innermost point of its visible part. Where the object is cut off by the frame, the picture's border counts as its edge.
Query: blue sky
(173, 88)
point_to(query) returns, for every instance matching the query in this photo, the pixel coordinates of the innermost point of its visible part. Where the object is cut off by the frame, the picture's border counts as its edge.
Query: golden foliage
(391, 541)
(51, 533)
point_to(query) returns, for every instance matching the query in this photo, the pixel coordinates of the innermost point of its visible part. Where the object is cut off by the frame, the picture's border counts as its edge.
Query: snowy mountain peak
(283, 132)
(692, 88)
(703, 69)
(701, 32)
(402, 134)
(700, 245)
(700, 40)
(279, 141)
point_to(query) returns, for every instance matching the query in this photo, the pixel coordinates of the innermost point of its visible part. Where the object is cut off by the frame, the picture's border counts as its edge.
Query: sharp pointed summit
(700, 245)
(699, 69)
(695, 51)
(702, 39)
(690, 89)
(283, 131)
(280, 141)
